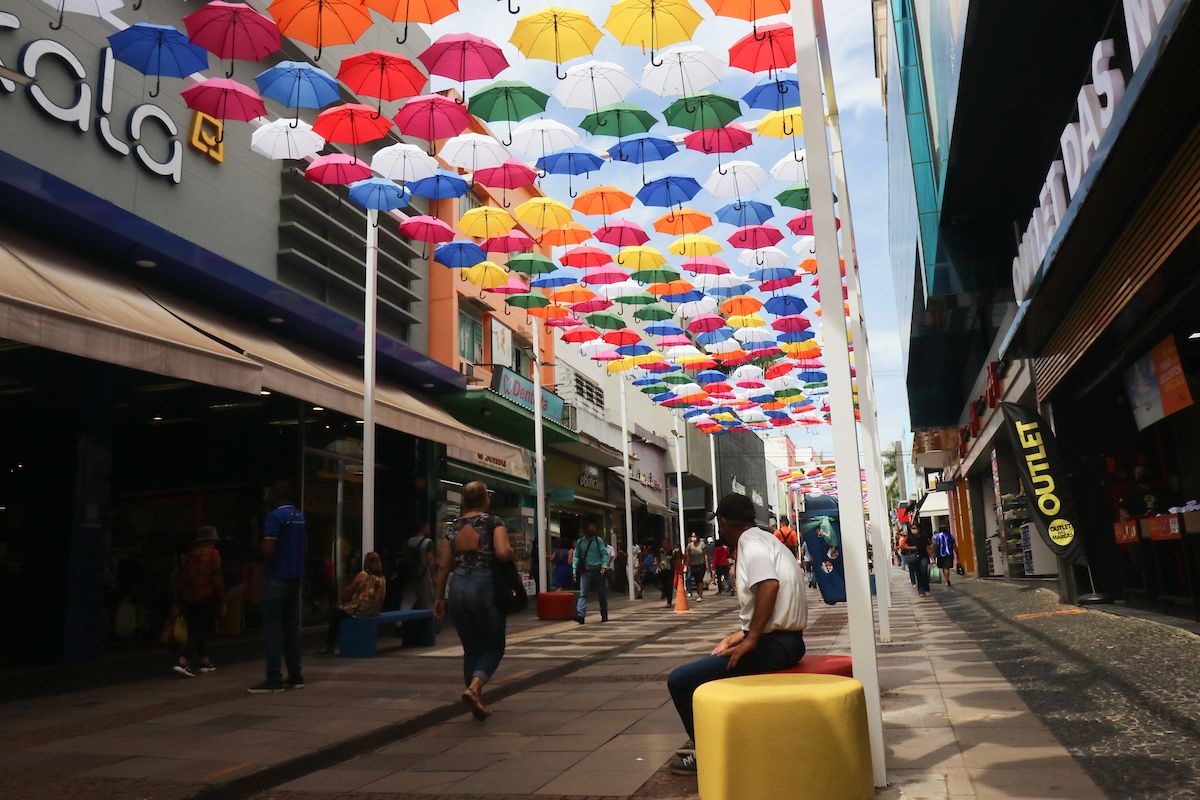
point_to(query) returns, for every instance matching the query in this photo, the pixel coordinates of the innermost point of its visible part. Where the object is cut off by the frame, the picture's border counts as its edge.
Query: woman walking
(362, 597)
(475, 541)
(560, 560)
(697, 564)
(199, 596)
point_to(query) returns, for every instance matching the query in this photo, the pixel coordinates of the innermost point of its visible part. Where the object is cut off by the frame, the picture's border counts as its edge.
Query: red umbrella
(580, 335)
(592, 306)
(585, 257)
(512, 174)
(386, 76)
(706, 265)
(753, 237)
(337, 169)
(425, 228)
(729, 139)
(512, 242)
(802, 223)
(778, 370)
(622, 233)
(351, 123)
(464, 57)
(781, 283)
(233, 30)
(604, 275)
(769, 49)
(225, 99)
(430, 117)
(706, 322)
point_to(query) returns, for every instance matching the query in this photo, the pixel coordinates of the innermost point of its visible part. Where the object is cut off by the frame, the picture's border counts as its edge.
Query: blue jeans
(775, 651)
(589, 580)
(281, 626)
(921, 572)
(478, 620)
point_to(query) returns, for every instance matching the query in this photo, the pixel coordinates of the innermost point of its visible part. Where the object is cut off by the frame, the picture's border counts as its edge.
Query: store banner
(1156, 385)
(1044, 479)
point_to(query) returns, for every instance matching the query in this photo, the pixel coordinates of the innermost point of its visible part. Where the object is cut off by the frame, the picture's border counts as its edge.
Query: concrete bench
(556, 605)
(821, 721)
(356, 638)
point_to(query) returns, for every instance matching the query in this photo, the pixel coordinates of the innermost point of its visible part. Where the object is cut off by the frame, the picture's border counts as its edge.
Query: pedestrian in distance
(475, 542)
(649, 568)
(611, 574)
(591, 568)
(944, 551)
(284, 543)
(362, 597)
(199, 597)
(560, 561)
(415, 568)
(771, 608)
(721, 560)
(697, 564)
(900, 548)
(916, 555)
(786, 534)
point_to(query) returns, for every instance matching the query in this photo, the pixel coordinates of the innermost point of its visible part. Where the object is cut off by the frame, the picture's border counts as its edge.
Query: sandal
(474, 702)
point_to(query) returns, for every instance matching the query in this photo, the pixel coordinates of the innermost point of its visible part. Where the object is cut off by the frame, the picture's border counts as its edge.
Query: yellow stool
(766, 737)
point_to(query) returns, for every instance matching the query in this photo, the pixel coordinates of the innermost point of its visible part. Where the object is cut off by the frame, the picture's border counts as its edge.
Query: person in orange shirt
(787, 534)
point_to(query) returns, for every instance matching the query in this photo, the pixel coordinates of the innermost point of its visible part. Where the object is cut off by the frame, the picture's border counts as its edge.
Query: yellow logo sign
(1062, 532)
(208, 136)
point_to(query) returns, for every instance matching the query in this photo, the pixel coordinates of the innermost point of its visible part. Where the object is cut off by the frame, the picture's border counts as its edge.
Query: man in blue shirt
(591, 564)
(284, 545)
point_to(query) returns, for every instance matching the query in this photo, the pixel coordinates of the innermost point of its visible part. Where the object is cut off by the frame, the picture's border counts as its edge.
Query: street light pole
(679, 481)
(628, 489)
(712, 459)
(538, 459)
(369, 346)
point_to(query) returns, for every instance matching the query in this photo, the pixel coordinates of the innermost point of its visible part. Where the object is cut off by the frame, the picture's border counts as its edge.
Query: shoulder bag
(507, 586)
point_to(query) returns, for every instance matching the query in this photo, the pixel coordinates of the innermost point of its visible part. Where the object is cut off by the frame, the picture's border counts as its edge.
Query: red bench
(556, 605)
(821, 665)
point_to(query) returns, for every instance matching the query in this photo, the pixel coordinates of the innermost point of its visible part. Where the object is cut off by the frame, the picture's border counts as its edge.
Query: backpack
(410, 564)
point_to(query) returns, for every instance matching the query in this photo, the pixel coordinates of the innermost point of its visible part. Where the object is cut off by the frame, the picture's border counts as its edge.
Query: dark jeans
(199, 617)
(281, 626)
(589, 580)
(666, 582)
(479, 622)
(920, 571)
(775, 651)
(335, 625)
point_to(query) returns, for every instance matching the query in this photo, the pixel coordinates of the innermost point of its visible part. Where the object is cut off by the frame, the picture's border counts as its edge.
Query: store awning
(324, 381)
(488, 411)
(59, 301)
(934, 504)
(646, 496)
(494, 480)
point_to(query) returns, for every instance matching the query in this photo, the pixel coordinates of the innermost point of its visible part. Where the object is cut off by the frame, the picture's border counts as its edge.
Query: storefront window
(470, 336)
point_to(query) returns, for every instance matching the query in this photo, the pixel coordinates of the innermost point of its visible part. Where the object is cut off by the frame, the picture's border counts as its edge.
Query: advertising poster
(1156, 385)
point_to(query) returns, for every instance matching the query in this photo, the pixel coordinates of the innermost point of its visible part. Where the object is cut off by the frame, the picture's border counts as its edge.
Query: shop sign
(576, 476)
(1096, 105)
(1048, 495)
(1161, 529)
(79, 111)
(208, 136)
(648, 480)
(502, 344)
(519, 390)
(1156, 385)
(1125, 531)
(590, 478)
(517, 467)
(738, 488)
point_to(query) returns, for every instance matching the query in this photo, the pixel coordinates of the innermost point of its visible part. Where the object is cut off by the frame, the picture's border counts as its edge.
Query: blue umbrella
(686, 297)
(664, 329)
(379, 194)
(634, 350)
(796, 336)
(695, 412)
(664, 397)
(762, 396)
(772, 274)
(785, 305)
(553, 280)
(572, 161)
(441, 186)
(775, 95)
(811, 376)
(641, 149)
(459, 255)
(158, 50)
(714, 336)
(729, 291)
(673, 190)
(298, 85)
(746, 212)
(648, 381)
(710, 376)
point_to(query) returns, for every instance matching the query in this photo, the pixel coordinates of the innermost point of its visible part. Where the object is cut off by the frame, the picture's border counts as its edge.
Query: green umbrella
(638, 299)
(529, 300)
(653, 313)
(790, 391)
(605, 321)
(677, 378)
(701, 111)
(531, 264)
(657, 388)
(507, 101)
(796, 196)
(619, 119)
(656, 275)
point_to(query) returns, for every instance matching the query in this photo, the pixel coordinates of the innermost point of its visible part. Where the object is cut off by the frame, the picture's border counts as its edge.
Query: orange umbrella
(548, 312)
(322, 22)
(572, 294)
(683, 221)
(749, 10)
(406, 11)
(809, 265)
(670, 287)
(740, 305)
(602, 200)
(571, 233)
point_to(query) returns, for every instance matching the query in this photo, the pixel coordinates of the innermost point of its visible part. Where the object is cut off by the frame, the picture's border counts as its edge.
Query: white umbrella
(542, 136)
(284, 138)
(695, 308)
(764, 257)
(681, 351)
(706, 282)
(725, 346)
(790, 168)
(473, 151)
(747, 376)
(404, 162)
(685, 70)
(90, 8)
(747, 335)
(619, 289)
(594, 347)
(807, 246)
(735, 179)
(593, 84)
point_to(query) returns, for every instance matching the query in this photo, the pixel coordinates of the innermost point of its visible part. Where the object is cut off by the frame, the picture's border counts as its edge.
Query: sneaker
(699, 598)
(688, 749)
(579, 619)
(683, 765)
(266, 687)
(294, 683)
(604, 618)
(206, 668)
(184, 671)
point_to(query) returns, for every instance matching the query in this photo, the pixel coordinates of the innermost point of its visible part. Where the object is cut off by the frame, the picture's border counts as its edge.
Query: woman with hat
(199, 595)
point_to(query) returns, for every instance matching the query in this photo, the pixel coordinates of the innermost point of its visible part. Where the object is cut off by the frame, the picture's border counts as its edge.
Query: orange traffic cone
(681, 603)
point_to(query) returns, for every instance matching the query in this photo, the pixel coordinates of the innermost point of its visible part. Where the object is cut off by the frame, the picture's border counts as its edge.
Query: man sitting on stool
(772, 609)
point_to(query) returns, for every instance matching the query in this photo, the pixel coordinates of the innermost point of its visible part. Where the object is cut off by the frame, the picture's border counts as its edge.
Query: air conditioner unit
(467, 368)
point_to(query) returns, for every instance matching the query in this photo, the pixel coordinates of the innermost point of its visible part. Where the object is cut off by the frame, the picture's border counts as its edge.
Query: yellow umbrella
(746, 321)
(542, 212)
(556, 34)
(695, 244)
(652, 24)
(622, 364)
(572, 294)
(485, 222)
(648, 358)
(486, 274)
(782, 124)
(640, 256)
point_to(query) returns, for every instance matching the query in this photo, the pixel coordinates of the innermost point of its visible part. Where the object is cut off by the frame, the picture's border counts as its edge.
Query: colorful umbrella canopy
(531, 264)
(464, 57)
(512, 242)
(432, 117)
(284, 139)
(587, 258)
(643, 149)
(618, 119)
(514, 286)
(737, 179)
(796, 196)
(543, 136)
(512, 174)
(602, 200)
(424, 228)
(564, 235)
(337, 169)
(507, 101)
(321, 22)
(702, 110)
(486, 275)
(745, 212)
(749, 10)
(297, 85)
(570, 162)
(351, 123)
(642, 257)
(766, 49)
(622, 233)
(224, 99)
(672, 190)
(459, 255)
(753, 237)
(440, 186)
(529, 300)
(685, 69)
(406, 11)
(486, 221)
(685, 220)
(573, 293)
(651, 24)
(386, 76)
(802, 223)
(543, 212)
(403, 162)
(593, 84)
(379, 194)
(774, 94)
(90, 8)
(473, 151)
(233, 30)
(556, 34)
(693, 245)
(158, 50)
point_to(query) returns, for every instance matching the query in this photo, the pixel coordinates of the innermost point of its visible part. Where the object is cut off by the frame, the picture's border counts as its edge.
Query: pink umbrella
(226, 99)
(337, 169)
(780, 283)
(464, 57)
(431, 117)
(658, 366)
(512, 174)
(706, 322)
(569, 321)
(753, 237)
(514, 286)
(706, 265)
(233, 30)
(791, 323)
(592, 306)
(729, 139)
(622, 233)
(605, 275)
(512, 242)
(586, 257)
(607, 355)
(802, 223)
(425, 228)
(678, 340)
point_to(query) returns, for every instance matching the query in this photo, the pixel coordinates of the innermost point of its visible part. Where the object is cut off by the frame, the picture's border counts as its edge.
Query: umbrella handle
(687, 110)
(758, 38)
(137, 6)
(781, 87)
(758, 259)
(787, 132)
(507, 313)
(56, 26)
(654, 62)
(562, 76)
(512, 10)
(157, 86)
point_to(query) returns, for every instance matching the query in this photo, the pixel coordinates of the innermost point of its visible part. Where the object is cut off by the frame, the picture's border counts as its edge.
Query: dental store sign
(1096, 103)
(90, 104)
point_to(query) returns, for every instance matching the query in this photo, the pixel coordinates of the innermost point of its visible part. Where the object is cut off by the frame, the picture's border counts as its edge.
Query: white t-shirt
(761, 557)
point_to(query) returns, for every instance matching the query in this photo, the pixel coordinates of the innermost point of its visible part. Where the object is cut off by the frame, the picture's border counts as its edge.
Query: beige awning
(324, 381)
(52, 299)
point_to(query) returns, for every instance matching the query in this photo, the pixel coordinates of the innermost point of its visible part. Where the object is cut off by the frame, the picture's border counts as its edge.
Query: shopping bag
(174, 632)
(935, 574)
(708, 579)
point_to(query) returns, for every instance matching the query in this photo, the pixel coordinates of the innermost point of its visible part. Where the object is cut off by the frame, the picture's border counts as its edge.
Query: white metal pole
(369, 347)
(837, 361)
(539, 470)
(712, 459)
(679, 481)
(628, 489)
(876, 492)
